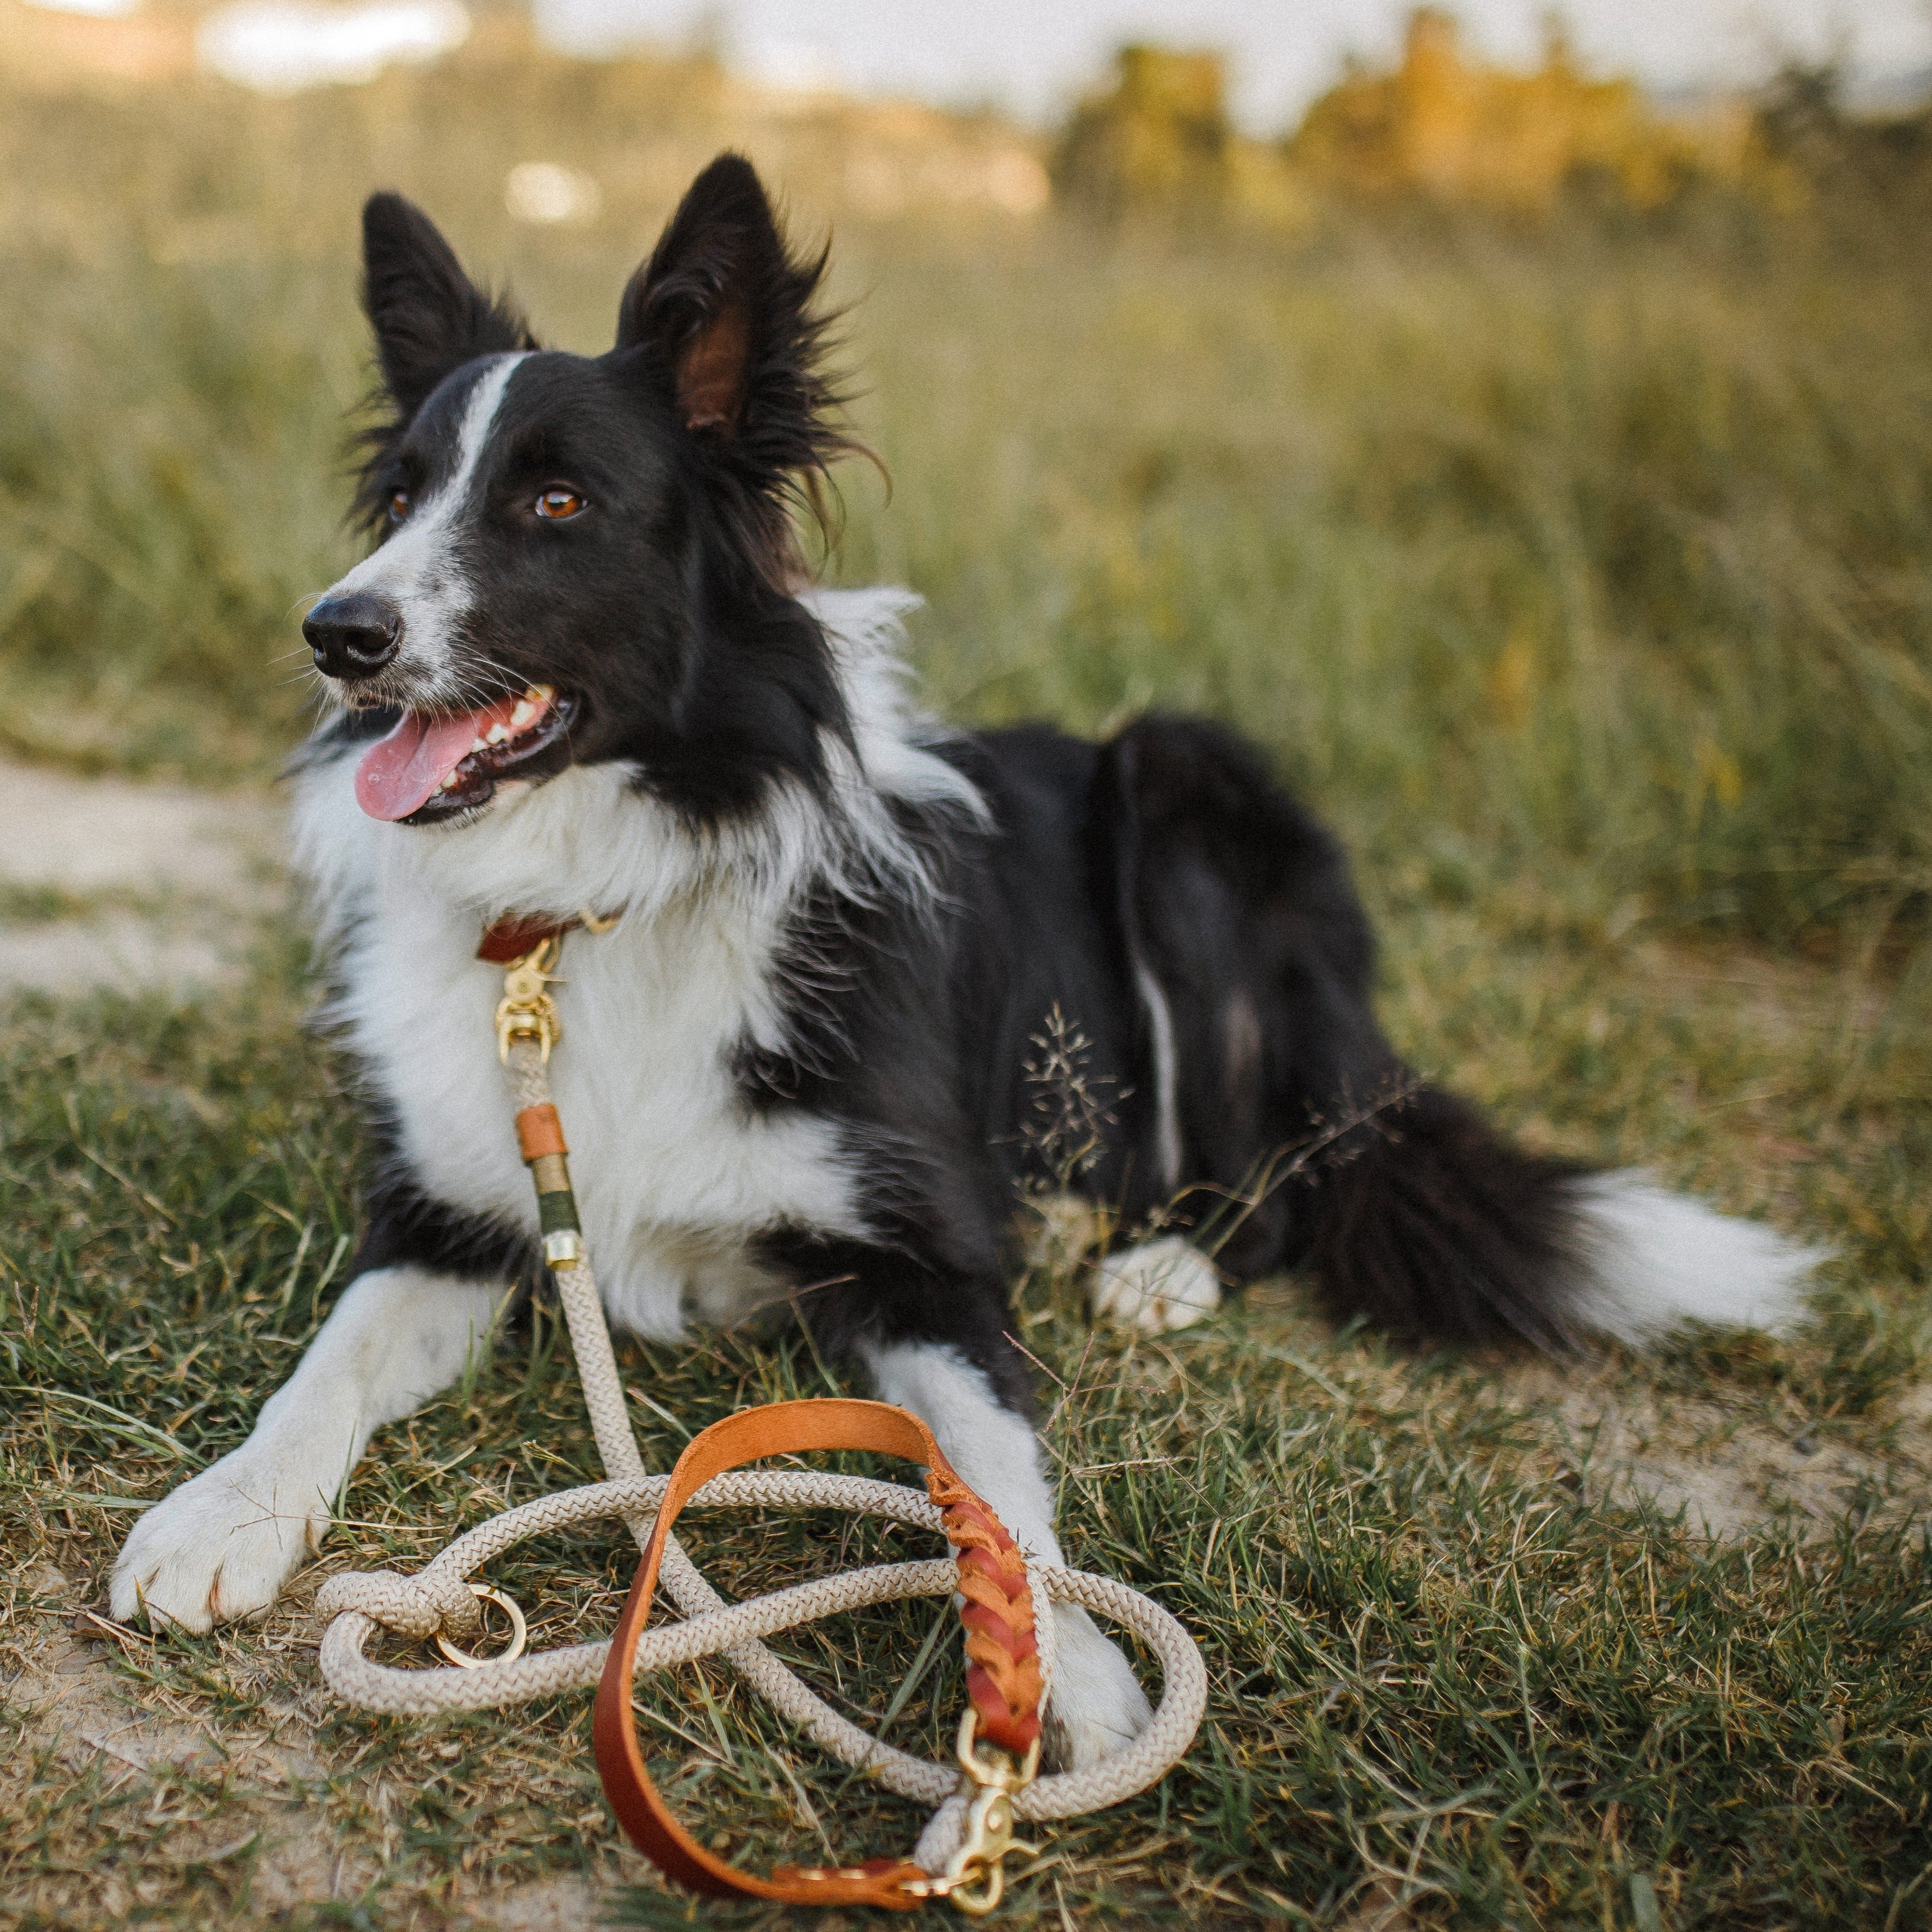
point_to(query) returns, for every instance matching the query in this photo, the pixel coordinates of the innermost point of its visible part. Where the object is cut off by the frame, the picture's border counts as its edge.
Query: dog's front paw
(1157, 1286)
(1096, 1706)
(220, 1548)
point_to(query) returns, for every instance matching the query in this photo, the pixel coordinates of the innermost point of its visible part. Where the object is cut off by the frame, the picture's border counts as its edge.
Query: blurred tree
(1450, 128)
(1806, 136)
(1159, 143)
(1159, 139)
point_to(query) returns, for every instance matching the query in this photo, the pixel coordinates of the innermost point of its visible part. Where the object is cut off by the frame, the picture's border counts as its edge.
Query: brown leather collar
(506, 942)
(509, 939)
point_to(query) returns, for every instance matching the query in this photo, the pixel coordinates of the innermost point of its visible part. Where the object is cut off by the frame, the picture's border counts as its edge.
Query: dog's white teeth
(477, 744)
(449, 784)
(540, 693)
(522, 715)
(498, 734)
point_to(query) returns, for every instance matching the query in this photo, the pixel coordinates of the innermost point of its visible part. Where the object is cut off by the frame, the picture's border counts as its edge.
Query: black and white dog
(581, 671)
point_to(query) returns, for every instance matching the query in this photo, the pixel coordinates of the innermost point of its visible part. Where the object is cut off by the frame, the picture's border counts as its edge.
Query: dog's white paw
(220, 1547)
(1158, 1286)
(1096, 1706)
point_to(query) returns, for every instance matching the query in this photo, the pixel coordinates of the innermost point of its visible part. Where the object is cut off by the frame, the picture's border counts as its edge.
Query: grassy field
(1585, 581)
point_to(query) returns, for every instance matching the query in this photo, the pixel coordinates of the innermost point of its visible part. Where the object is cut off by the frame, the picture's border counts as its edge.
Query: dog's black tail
(1313, 1144)
(1424, 1219)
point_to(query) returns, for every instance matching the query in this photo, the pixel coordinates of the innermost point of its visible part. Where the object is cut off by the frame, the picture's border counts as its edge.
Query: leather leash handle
(1003, 1672)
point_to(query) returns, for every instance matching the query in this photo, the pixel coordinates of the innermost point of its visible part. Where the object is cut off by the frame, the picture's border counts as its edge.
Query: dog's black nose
(353, 636)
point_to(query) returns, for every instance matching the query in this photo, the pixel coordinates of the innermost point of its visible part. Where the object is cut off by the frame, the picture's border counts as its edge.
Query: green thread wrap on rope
(557, 1211)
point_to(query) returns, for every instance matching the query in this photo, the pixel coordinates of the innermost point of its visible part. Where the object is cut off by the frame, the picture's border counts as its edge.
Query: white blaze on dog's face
(416, 591)
(445, 636)
(586, 559)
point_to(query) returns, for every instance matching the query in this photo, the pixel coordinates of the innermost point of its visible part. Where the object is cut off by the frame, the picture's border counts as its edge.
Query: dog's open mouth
(433, 765)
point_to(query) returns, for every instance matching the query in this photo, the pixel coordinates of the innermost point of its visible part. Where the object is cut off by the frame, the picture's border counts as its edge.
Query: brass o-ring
(519, 1632)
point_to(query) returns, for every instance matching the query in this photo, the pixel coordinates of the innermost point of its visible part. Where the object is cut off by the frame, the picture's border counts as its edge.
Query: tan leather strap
(1003, 1674)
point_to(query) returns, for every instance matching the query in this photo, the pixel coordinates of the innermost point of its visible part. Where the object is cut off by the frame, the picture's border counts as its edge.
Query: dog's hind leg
(222, 1546)
(1409, 1208)
(1094, 1706)
(1219, 881)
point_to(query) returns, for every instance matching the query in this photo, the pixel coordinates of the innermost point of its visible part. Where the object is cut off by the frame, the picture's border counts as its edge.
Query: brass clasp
(975, 1879)
(527, 1011)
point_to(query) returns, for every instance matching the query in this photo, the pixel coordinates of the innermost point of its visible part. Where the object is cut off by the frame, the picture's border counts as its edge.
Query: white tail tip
(1655, 1259)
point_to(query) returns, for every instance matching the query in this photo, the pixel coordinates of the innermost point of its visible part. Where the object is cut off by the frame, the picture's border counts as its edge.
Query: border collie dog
(581, 670)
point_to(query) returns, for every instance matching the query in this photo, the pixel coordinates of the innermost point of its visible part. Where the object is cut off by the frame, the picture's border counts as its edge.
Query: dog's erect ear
(725, 313)
(726, 308)
(429, 317)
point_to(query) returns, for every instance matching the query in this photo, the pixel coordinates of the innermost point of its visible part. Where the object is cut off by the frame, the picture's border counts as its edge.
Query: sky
(1032, 57)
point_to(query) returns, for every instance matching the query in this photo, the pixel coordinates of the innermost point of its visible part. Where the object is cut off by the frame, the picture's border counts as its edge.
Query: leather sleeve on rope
(539, 1131)
(556, 1210)
(1003, 1678)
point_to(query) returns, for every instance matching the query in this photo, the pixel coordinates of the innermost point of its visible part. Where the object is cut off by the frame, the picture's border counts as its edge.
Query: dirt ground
(109, 883)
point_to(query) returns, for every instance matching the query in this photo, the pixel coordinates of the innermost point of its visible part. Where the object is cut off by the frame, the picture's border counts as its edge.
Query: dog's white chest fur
(674, 1172)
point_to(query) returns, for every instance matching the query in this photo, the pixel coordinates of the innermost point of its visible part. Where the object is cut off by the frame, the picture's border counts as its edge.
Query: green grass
(1584, 581)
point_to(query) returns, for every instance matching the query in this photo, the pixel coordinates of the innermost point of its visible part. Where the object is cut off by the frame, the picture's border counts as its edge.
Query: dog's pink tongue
(400, 773)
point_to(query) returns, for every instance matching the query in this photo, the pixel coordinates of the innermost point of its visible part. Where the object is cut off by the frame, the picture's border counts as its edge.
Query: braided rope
(1015, 1654)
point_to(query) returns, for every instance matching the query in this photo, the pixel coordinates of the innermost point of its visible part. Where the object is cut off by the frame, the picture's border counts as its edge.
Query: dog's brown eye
(557, 505)
(399, 506)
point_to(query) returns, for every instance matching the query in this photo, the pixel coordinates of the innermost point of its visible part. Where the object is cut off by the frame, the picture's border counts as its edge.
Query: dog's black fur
(668, 618)
(808, 1063)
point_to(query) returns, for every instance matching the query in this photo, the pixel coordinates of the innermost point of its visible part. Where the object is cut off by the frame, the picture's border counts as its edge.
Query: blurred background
(1522, 423)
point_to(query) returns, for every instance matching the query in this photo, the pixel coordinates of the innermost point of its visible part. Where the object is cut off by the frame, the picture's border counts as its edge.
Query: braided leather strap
(1002, 1649)
(1003, 1676)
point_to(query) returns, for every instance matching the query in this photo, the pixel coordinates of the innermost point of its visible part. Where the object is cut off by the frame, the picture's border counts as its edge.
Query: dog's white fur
(1658, 1258)
(1166, 1073)
(673, 1176)
(1161, 1284)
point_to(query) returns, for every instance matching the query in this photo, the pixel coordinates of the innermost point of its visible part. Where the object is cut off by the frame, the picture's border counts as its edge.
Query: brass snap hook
(527, 1011)
(975, 1880)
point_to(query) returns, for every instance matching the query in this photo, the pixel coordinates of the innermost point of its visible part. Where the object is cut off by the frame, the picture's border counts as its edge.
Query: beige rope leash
(959, 1852)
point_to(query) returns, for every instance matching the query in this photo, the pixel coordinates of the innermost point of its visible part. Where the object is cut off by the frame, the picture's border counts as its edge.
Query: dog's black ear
(726, 311)
(722, 304)
(429, 317)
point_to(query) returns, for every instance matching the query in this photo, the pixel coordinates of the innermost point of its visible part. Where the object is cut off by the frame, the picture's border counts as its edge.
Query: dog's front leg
(223, 1545)
(1095, 1706)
